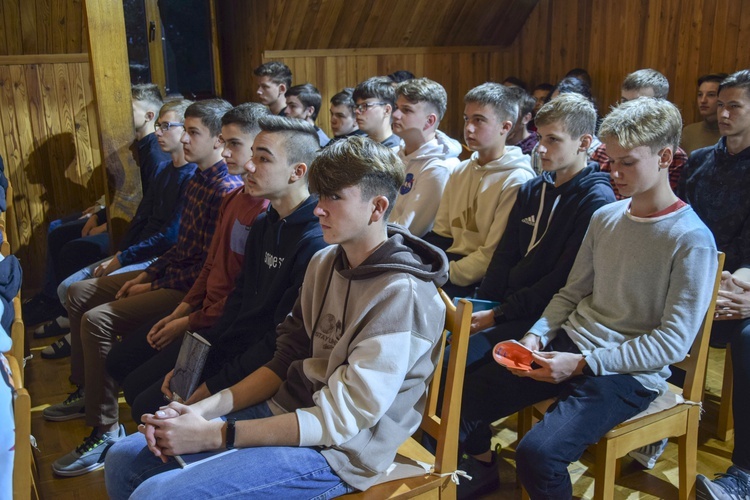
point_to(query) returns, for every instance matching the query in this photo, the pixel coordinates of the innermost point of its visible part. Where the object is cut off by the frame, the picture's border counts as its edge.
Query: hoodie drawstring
(534, 242)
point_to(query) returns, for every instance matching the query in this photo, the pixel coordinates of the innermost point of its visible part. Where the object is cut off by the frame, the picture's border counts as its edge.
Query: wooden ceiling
(346, 24)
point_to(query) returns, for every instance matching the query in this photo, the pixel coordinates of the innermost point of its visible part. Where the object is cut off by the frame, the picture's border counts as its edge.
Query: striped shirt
(179, 267)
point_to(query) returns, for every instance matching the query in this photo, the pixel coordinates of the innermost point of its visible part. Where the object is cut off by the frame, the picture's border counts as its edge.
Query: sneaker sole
(63, 418)
(78, 472)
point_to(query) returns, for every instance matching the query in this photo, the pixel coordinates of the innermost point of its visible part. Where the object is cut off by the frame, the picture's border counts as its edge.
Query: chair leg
(605, 472)
(525, 421)
(688, 455)
(725, 426)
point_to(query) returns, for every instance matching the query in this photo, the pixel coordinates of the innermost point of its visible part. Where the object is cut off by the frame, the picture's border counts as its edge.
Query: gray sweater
(637, 293)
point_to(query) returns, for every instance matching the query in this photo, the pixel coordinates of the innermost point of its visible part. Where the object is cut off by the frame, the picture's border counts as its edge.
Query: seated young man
(274, 78)
(347, 383)
(520, 135)
(481, 191)
(374, 100)
(303, 102)
(716, 178)
(545, 227)
(278, 249)
(153, 229)
(102, 309)
(80, 239)
(343, 117)
(128, 361)
(632, 305)
(705, 132)
(643, 83)
(429, 156)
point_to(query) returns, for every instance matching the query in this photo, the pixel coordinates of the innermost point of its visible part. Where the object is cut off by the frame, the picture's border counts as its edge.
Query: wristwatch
(497, 314)
(230, 433)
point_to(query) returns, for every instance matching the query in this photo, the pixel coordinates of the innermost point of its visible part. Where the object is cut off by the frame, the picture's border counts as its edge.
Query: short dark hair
(526, 103)
(358, 161)
(148, 93)
(515, 82)
(496, 96)
(246, 117)
(277, 71)
(401, 76)
(739, 79)
(210, 113)
(424, 90)
(712, 77)
(544, 86)
(308, 95)
(581, 74)
(344, 98)
(377, 87)
(300, 137)
(647, 79)
(573, 85)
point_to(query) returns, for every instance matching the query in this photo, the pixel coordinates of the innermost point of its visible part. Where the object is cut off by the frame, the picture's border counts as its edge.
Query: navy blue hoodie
(277, 253)
(523, 276)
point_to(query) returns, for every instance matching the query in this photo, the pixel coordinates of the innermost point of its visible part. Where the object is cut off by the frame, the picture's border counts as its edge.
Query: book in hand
(478, 304)
(189, 366)
(513, 354)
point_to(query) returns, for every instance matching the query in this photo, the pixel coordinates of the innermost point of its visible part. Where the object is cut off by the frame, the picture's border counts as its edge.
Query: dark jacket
(525, 280)
(148, 156)
(11, 277)
(276, 257)
(716, 184)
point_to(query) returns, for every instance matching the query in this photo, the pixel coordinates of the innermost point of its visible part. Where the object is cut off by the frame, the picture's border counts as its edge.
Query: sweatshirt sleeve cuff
(311, 432)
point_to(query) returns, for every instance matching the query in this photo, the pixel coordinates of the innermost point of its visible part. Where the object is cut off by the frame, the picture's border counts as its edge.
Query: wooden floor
(47, 382)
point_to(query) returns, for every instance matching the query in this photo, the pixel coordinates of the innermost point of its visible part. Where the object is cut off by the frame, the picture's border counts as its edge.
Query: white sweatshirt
(427, 171)
(474, 210)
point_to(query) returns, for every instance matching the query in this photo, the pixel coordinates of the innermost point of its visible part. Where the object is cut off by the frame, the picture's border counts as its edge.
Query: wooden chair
(725, 425)
(18, 333)
(24, 485)
(679, 421)
(445, 429)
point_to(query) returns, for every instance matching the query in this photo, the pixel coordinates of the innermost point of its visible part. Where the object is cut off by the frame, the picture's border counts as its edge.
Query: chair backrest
(444, 428)
(697, 359)
(22, 475)
(18, 333)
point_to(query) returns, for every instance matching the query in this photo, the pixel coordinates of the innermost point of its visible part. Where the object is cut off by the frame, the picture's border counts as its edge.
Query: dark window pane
(135, 30)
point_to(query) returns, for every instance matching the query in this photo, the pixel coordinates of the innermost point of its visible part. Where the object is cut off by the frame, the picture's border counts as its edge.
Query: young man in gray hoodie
(347, 384)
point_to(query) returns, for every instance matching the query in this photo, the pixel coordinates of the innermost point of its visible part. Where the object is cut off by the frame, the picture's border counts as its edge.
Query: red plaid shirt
(178, 267)
(675, 168)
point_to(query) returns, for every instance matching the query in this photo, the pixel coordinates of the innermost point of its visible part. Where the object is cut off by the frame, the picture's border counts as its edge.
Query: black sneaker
(40, 309)
(484, 477)
(732, 485)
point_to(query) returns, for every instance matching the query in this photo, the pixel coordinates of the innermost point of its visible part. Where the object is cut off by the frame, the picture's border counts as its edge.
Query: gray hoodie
(358, 351)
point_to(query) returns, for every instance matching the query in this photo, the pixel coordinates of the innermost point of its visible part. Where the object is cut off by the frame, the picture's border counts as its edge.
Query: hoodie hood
(442, 147)
(401, 252)
(582, 182)
(513, 158)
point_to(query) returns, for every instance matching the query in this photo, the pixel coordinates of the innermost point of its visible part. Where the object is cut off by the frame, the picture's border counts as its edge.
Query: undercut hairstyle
(209, 112)
(572, 85)
(246, 117)
(308, 95)
(424, 90)
(581, 74)
(377, 87)
(740, 79)
(301, 141)
(277, 71)
(498, 97)
(177, 106)
(647, 78)
(149, 94)
(514, 81)
(344, 98)
(712, 77)
(547, 87)
(655, 123)
(574, 112)
(358, 161)
(401, 76)
(525, 101)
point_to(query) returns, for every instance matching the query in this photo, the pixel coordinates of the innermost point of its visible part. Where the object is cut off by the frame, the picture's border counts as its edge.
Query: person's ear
(282, 89)
(298, 172)
(507, 126)
(526, 118)
(665, 157)
(218, 143)
(585, 142)
(150, 115)
(431, 121)
(388, 109)
(379, 207)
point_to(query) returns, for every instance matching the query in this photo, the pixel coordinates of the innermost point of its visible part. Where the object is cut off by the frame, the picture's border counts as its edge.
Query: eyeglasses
(164, 126)
(362, 108)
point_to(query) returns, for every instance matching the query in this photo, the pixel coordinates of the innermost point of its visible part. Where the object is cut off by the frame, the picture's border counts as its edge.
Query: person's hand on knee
(168, 331)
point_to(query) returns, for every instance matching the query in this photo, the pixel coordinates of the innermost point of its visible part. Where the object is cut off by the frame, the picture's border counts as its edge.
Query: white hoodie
(475, 208)
(427, 171)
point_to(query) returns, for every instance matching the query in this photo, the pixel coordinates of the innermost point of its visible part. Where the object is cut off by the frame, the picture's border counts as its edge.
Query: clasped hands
(733, 301)
(177, 429)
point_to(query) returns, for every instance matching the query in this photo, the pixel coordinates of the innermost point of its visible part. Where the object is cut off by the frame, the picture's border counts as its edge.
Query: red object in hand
(512, 354)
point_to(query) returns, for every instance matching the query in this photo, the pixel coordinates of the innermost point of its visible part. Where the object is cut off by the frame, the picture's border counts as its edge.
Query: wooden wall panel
(50, 148)
(41, 27)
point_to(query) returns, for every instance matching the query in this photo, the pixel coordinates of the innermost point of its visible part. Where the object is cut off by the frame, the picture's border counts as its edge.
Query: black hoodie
(276, 256)
(523, 276)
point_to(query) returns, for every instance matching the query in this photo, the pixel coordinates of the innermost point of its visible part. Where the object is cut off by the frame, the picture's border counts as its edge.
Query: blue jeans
(264, 472)
(586, 409)
(88, 273)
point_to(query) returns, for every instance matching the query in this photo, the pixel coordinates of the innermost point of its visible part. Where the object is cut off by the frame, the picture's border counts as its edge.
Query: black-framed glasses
(362, 108)
(164, 126)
